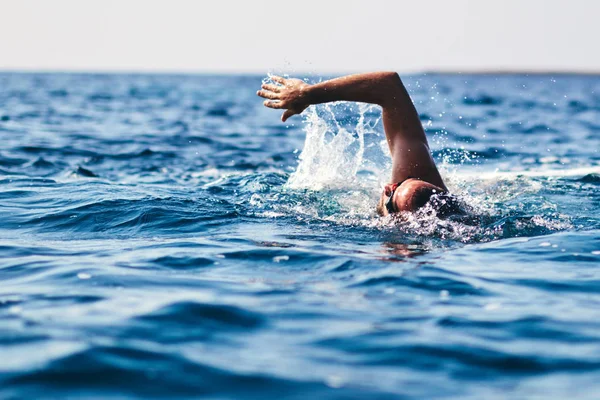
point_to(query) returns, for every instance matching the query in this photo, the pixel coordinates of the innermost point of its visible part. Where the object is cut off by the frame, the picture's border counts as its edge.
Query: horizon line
(422, 71)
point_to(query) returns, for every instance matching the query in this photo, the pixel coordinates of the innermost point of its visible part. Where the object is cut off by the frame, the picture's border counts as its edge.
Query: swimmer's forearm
(382, 88)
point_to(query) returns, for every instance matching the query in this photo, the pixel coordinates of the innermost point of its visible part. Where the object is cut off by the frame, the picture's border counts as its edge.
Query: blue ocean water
(167, 237)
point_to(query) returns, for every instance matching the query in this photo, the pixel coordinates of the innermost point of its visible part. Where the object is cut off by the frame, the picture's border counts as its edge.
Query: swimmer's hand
(288, 94)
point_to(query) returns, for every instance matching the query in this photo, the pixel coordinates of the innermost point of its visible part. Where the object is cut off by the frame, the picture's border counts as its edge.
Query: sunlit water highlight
(166, 236)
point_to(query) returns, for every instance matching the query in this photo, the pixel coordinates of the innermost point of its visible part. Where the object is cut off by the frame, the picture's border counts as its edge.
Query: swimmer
(415, 178)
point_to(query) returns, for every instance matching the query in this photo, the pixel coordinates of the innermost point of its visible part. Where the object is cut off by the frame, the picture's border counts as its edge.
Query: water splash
(345, 162)
(335, 148)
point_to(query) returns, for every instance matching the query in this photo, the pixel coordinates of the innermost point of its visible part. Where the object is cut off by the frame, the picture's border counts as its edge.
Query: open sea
(167, 236)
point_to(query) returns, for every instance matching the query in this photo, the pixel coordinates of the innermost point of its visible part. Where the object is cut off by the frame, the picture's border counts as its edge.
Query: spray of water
(334, 152)
(345, 163)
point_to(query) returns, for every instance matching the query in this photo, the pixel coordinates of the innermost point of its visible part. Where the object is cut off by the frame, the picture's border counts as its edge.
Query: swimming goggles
(389, 204)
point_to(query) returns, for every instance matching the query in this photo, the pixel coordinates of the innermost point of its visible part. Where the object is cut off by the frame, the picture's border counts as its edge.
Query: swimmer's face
(388, 202)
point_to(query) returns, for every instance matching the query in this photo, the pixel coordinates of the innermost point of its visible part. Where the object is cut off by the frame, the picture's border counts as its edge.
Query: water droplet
(15, 310)
(335, 381)
(492, 306)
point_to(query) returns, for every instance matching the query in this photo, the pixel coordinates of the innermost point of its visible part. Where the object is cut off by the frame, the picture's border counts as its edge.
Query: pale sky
(299, 36)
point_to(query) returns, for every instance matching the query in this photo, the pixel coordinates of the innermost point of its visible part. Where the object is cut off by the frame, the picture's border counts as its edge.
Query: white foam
(541, 173)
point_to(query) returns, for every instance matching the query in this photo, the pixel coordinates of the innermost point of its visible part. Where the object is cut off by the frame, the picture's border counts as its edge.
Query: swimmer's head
(409, 195)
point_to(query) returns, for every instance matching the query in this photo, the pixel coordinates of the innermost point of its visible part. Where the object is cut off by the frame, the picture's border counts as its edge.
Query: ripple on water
(184, 322)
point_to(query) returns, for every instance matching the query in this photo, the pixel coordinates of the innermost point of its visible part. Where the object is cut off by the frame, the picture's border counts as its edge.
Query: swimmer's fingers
(271, 87)
(273, 104)
(292, 111)
(287, 114)
(267, 95)
(278, 79)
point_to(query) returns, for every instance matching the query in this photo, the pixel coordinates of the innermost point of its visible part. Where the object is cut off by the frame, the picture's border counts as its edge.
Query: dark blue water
(167, 237)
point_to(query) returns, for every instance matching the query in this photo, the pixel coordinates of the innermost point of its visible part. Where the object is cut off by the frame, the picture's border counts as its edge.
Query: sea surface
(167, 236)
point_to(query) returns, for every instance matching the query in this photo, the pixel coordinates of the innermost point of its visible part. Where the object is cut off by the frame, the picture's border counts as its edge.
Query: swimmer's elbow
(393, 88)
(391, 76)
(391, 80)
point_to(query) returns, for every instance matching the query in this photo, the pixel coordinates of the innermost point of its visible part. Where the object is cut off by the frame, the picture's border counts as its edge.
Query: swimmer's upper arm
(411, 156)
(400, 118)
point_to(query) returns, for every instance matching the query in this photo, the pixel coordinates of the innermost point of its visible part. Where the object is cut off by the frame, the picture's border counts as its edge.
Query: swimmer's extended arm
(403, 129)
